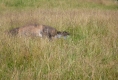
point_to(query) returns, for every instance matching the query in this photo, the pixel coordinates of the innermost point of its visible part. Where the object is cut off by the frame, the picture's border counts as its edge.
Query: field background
(90, 53)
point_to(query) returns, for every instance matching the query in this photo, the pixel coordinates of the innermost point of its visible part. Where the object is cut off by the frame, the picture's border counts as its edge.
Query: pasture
(90, 53)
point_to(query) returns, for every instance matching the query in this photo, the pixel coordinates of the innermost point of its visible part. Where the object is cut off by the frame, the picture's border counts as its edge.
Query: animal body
(38, 30)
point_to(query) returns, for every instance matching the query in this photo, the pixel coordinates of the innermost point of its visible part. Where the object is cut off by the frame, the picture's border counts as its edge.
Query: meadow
(90, 53)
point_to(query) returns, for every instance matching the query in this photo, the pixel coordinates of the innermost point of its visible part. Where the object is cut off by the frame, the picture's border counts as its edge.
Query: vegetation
(90, 53)
(63, 4)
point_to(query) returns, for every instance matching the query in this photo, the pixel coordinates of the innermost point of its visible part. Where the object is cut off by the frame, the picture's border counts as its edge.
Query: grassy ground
(63, 4)
(90, 53)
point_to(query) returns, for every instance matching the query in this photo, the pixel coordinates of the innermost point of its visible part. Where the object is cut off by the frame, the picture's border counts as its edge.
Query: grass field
(90, 53)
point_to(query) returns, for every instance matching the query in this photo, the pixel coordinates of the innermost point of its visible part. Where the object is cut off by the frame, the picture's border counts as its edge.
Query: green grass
(65, 4)
(90, 53)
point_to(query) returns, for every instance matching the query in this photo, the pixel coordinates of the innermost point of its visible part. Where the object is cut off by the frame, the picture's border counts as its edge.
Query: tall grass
(62, 4)
(90, 53)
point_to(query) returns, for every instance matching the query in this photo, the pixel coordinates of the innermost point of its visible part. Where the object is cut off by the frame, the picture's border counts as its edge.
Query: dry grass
(90, 53)
(104, 2)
